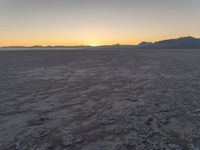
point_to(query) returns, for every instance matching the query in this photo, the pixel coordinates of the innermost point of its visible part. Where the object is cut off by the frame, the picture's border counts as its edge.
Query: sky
(96, 22)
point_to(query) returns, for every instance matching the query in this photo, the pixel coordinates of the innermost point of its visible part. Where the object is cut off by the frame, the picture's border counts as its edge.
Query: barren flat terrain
(100, 100)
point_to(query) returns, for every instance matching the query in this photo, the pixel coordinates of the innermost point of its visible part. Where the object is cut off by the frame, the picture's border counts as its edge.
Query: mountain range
(179, 43)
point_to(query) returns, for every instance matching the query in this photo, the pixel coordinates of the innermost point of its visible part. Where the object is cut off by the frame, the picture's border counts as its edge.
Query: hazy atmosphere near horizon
(96, 22)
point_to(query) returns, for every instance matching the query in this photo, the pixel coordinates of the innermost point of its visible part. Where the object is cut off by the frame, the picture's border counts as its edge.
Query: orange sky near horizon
(79, 42)
(94, 22)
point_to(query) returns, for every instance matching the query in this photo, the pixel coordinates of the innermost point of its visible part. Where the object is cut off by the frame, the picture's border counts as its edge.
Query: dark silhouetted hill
(180, 43)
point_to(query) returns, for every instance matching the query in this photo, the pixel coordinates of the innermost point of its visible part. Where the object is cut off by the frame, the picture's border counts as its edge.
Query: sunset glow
(92, 22)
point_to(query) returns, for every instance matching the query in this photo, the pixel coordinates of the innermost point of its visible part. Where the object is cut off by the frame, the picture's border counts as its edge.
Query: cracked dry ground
(100, 100)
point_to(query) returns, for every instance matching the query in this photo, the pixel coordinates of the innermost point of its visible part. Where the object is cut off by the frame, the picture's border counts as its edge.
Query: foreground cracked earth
(100, 100)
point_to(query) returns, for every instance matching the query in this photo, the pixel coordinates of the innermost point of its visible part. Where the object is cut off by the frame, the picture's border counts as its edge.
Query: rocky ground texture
(100, 100)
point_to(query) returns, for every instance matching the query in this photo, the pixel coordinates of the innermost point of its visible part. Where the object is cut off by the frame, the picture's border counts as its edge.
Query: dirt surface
(100, 100)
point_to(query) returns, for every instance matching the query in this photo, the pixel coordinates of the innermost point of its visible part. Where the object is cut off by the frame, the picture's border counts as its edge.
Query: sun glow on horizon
(81, 42)
(94, 23)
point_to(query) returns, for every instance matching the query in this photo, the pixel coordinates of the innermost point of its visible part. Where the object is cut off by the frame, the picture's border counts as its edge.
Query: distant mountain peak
(182, 42)
(188, 37)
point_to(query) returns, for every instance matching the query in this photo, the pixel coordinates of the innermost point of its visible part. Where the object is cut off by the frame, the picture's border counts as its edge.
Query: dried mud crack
(100, 100)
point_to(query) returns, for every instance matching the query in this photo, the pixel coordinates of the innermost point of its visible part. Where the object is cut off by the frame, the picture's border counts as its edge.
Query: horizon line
(82, 45)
